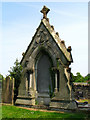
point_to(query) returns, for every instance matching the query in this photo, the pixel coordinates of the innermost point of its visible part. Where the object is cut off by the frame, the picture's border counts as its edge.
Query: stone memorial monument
(46, 77)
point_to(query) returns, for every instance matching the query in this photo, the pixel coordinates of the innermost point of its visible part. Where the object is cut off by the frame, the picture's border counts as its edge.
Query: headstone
(8, 90)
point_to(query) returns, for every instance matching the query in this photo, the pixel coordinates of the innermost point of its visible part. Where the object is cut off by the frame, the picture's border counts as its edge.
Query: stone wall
(8, 90)
(81, 90)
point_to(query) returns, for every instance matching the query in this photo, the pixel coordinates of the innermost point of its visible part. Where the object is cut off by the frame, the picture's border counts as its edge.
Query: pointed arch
(43, 75)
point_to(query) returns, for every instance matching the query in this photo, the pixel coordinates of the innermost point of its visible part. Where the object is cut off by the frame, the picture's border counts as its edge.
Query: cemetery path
(43, 110)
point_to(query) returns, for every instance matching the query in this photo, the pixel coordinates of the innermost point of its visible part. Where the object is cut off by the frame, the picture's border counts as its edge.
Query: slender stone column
(30, 82)
(26, 84)
(55, 83)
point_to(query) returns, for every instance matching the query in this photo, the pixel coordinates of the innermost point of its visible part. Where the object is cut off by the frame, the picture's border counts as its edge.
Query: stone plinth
(43, 99)
(23, 100)
(63, 104)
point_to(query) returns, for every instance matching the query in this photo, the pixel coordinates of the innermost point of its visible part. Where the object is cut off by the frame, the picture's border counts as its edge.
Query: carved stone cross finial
(45, 10)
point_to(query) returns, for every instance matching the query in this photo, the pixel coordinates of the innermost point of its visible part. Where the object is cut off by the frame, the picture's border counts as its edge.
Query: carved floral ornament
(42, 36)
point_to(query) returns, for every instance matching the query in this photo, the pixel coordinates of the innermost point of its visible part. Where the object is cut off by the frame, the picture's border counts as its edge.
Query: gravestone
(8, 90)
(46, 77)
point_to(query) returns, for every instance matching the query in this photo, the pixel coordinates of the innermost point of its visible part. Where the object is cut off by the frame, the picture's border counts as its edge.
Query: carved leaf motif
(45, 33)
(42, 36)
(38, 40)
(47, 38)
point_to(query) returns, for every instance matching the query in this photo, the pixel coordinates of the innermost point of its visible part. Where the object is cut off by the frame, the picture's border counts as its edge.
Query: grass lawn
(15, 112)
(82, 100)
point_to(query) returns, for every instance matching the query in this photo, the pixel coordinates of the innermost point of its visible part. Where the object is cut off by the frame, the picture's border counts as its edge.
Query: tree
(79, 77)
(73, 78)
(15, 73)
(1, 76)
(87, 78)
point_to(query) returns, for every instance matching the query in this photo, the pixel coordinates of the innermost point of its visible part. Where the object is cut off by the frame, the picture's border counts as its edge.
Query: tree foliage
(15, 73)
(1, 76)
(80, 78)
(87, 77)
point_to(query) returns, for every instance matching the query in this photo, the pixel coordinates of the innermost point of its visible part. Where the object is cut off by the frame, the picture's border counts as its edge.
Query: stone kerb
(8, 90)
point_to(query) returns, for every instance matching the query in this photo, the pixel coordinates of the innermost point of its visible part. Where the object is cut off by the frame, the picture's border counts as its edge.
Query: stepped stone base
(22, 100)
(63, 104)
(43, 99)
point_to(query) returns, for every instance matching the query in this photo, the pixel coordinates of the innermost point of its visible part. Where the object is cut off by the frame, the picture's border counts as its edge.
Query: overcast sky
(19, 23)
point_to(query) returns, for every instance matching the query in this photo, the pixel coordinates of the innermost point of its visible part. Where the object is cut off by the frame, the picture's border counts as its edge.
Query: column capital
(55, 69)
(30, 70)
(68, 70)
